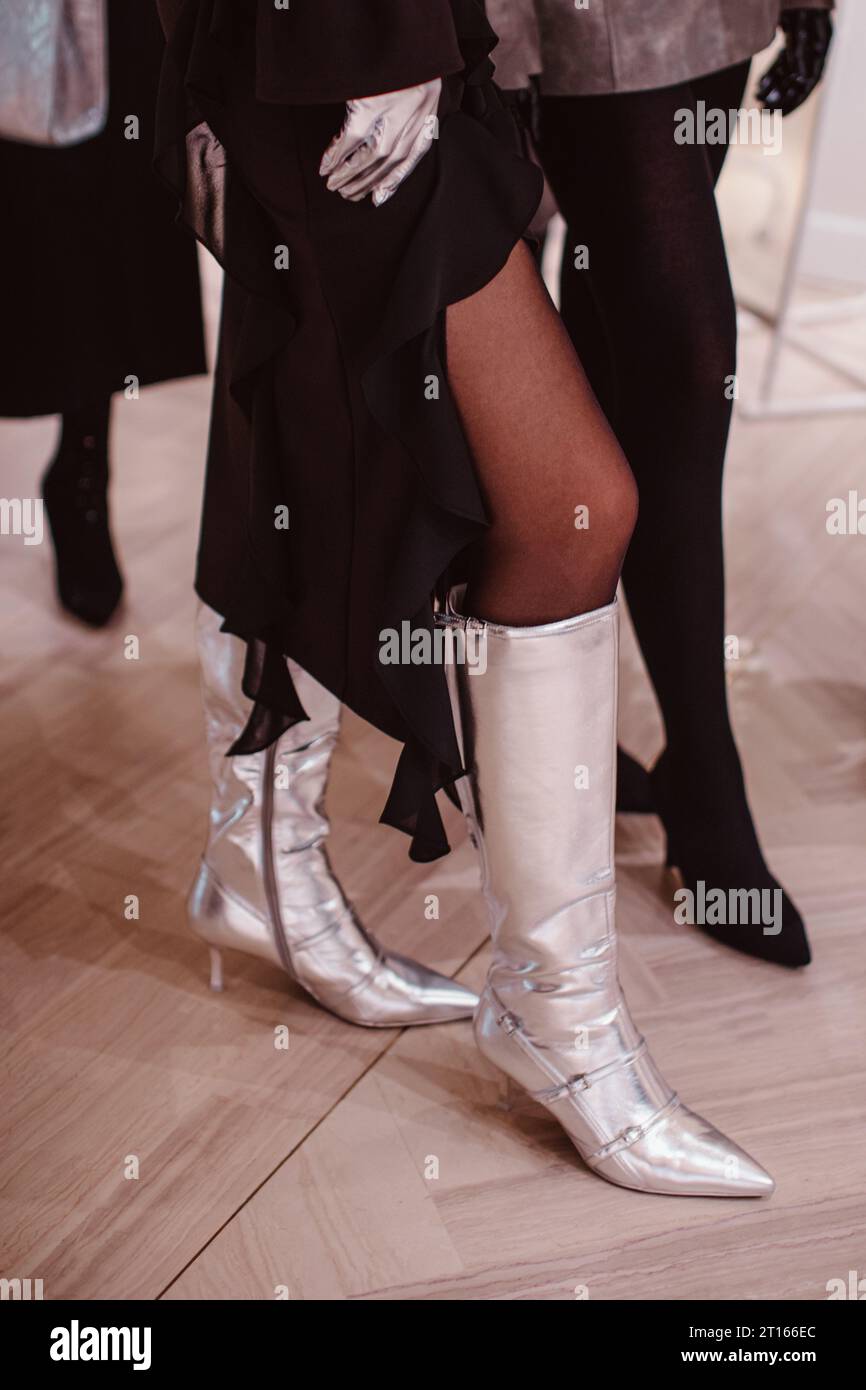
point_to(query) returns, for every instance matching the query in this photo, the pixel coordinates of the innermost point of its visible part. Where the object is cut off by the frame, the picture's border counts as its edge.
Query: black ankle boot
(75, 492)
(634, 793)
(715, 847)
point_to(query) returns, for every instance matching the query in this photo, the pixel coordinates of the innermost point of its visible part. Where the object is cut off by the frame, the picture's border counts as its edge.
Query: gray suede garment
(627, 45)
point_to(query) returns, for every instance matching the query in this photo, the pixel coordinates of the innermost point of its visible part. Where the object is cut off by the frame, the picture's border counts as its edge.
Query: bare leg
(560, 494)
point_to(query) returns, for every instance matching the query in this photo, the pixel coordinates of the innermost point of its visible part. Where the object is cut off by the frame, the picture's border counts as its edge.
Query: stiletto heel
(216, 969)
(512, 1096)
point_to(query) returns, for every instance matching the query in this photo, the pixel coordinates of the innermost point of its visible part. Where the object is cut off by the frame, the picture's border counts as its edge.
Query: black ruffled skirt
(340, 493)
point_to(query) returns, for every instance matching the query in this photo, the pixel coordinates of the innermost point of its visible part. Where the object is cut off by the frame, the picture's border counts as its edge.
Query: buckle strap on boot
(511, 1024)
(630, 1136)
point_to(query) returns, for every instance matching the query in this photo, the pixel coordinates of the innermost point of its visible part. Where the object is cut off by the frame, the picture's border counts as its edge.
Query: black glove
(797, 70)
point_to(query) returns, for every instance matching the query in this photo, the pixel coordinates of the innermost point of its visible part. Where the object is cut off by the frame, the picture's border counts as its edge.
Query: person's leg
(589, 335)
(645, 208)
(582, 299)
(584, 317)
(75, 491)
(721, 91)
(559, 493)
(536, 723)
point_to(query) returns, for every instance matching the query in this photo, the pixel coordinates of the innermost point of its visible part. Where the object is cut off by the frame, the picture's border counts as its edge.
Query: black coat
(97, 281)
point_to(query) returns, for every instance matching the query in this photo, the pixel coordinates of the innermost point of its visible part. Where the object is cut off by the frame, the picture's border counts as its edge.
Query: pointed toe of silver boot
(683, 1155)
(418, 994)
(327, 950)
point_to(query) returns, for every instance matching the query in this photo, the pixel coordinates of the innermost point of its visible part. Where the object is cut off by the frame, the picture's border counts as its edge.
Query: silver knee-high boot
(265, 885)
(538, 738)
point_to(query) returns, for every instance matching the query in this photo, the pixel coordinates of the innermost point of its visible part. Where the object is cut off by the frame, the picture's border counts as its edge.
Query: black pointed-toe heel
(719, 861)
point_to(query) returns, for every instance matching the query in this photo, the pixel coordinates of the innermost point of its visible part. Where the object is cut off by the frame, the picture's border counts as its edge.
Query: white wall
(835, 231)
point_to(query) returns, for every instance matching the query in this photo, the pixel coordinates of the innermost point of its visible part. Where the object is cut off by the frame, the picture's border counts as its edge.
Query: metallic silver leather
(265, 885)
(53, 70)
(381, 141)
(552, 1014)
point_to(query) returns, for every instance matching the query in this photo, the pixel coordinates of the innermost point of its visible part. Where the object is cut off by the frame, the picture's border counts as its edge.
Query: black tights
(654, 324)
(542, 449)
